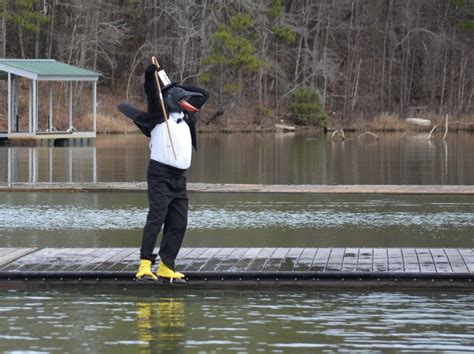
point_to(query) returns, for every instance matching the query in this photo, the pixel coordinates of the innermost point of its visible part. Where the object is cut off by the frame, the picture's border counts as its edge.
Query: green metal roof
(46, 69)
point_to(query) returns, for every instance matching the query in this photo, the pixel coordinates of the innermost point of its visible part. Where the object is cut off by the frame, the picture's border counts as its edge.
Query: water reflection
(211, 320)
(161, 324)
(49, 164)
(257, 158)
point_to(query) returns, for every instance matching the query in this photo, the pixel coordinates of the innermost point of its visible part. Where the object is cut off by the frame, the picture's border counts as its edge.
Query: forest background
(364, 62)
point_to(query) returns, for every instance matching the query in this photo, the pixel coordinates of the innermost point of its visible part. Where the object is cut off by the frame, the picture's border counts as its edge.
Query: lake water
(52, 219)
(232, 321)
(256, 158)
(67, 320)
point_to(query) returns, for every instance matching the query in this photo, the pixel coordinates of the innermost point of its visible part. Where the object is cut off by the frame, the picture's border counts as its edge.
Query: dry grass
(382, 122)
(3, 123)
(392, 122)
(235, 118)
(107, 123)
(109, 119)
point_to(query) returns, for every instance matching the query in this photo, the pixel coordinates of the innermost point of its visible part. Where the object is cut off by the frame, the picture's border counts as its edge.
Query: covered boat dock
(46, 99)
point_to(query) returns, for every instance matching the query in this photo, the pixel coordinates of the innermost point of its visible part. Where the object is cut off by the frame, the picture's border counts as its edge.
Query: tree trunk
(20, 40)
(51, 29)
(443, 85)
(3, 47)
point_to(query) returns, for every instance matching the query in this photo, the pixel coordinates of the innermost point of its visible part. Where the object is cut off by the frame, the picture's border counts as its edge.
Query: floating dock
(251, 267)
(245, 188)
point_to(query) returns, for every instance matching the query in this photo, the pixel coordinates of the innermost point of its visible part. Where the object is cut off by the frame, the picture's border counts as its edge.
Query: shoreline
(199, 187)
(299, 129)
(380, 124)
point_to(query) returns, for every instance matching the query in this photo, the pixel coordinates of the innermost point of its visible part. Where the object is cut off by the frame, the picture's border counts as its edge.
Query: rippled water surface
(104, 320)
(52, 219)
(126, 321)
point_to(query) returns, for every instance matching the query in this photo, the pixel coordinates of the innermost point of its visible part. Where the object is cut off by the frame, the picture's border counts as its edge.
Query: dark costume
(166, 183)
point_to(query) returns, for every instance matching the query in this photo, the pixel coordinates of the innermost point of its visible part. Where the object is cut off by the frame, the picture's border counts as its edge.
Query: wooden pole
(446, 129)
(157, 79)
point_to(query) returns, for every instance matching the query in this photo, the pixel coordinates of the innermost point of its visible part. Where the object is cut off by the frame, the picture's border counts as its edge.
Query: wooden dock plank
(91, 260)
(129, 262)
(253, 260)
(70, 259)
(114, 256)
(118, 263)
(134, 256)
(366, 260)
(425, 260)
(11, 264)
(351, 257)
(291, 259)
(67, 259)
(410, 260)
(456, 261)
(185, 262)
(276, 260)
(11, 254)
(380, 260)
(4, 251)
(440, 260)
(261, 259)
(468, 256)
(335, 259)
(395, 260)
(246, 259)
(183, 252)
(122, 254)
(199, 261)
(231, 260)
(39, 259)
(306, 260)
(321, 259)
(217, 259)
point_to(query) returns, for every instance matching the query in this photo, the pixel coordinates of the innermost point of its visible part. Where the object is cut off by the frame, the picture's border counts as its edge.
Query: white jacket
(160, 146)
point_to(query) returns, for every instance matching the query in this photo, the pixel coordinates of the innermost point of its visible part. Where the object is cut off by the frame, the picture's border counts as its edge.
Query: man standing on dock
(172, 139)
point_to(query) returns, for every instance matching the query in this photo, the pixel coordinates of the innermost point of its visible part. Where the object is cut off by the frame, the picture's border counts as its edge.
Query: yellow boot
(167, 274)
(144, 271)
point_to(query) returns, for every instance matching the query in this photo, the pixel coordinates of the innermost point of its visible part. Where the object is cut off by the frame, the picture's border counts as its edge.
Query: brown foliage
(364, 57)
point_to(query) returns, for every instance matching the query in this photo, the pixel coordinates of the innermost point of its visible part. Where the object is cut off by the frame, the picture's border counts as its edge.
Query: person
(169, 160)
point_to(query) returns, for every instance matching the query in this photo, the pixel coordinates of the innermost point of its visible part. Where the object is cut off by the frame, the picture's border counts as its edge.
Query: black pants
(169, 207)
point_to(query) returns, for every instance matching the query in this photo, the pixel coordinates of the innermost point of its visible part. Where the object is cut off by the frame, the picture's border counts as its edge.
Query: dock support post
(94, 109)
(15, 123)
(35, 108)
(30, 166)
(70, 162)
(10, 115)
(50, 164)
(30, 105)
(94, 165)
(11, 166)
(70, 104)
(50, 115)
